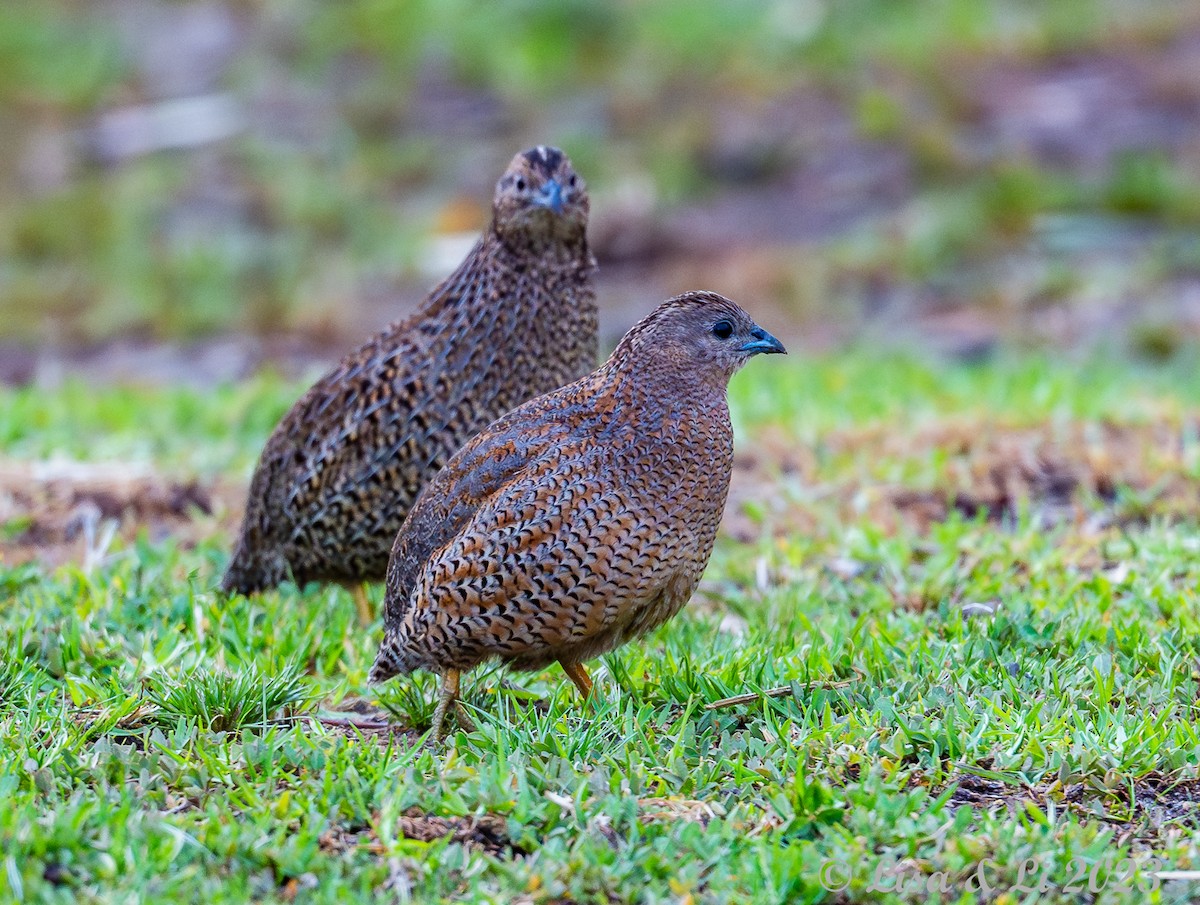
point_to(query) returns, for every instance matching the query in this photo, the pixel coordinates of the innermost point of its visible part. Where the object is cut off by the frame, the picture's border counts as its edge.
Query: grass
(963, 691)
(224, 702)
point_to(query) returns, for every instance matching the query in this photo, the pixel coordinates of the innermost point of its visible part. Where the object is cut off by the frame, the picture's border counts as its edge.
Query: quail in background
(517, 318)
(582, 519)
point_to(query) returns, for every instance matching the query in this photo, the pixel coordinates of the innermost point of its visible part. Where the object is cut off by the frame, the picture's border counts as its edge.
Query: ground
(958, 603)
(277, 179)
(951, 619)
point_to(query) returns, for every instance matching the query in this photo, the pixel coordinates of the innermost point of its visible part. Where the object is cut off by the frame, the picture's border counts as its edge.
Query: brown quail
(582, 519)
(517, 318)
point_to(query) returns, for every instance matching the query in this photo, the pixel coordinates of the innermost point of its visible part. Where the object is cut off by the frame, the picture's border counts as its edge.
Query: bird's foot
(464, 719)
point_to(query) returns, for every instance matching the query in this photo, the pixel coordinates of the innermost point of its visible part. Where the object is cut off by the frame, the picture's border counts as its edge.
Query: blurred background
(193, 190)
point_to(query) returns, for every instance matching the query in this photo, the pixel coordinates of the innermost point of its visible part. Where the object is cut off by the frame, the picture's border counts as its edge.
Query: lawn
(973, 589)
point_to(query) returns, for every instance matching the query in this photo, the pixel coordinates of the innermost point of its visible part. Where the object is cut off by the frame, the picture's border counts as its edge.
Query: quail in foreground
(582, 519)
(517, 318)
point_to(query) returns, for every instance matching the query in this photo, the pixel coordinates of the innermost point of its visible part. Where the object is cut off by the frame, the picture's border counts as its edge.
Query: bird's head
(541, 197)
(701, 334)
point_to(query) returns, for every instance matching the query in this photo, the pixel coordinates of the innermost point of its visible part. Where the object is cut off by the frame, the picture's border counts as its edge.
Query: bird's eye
(571, 182)
(722, 329)
(520, 184)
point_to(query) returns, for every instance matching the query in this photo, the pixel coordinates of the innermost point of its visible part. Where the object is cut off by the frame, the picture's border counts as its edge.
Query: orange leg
(577, 674)
(362, 603)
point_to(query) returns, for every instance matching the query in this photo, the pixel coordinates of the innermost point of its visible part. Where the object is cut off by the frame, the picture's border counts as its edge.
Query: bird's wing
(454, 495)
(549, 561)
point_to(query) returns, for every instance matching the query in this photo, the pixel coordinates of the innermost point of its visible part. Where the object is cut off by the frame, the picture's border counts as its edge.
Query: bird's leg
(577, 674)
(449, 696)
(464, 718)
(362, 603)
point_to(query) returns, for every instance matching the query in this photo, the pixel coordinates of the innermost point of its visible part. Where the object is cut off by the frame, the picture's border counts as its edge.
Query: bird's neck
(522, 250)
(459, 293)
(657, 385)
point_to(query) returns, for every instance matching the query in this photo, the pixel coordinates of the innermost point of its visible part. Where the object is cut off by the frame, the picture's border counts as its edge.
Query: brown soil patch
(1062, 472)
(987, 794)
(1157, 804)
(1163, 800)
(663, 810)
(486, 832)
(363, 720)
(1089, 474)
(60, 512)
(1086, 474)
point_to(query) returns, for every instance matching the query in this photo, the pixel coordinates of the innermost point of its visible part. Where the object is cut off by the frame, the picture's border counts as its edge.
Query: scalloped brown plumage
(582, 519)
(517, 318)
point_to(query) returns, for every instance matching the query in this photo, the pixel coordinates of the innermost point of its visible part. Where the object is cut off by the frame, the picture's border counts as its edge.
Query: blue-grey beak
(550, 196)
(762, 342)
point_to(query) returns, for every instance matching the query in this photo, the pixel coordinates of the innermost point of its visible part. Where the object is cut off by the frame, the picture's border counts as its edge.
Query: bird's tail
(392, 660)
(250, 571)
